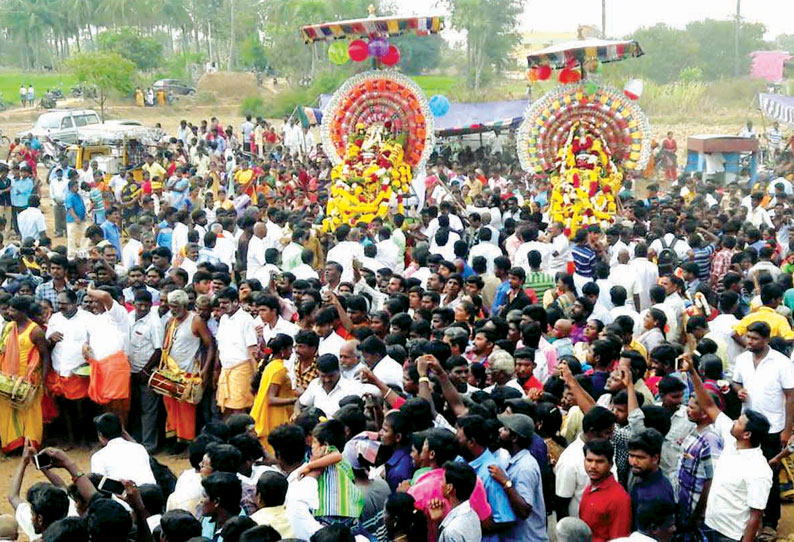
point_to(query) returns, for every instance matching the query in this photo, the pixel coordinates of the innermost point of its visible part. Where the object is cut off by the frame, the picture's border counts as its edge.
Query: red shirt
(532, 383)
(606, 508)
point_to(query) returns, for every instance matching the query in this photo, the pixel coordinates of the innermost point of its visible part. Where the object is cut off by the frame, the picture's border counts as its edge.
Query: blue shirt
(165, 235)
(21, 189)
(500, 296)
(584, 259)
(524, 471)
(399, 467)
(497, 497)
(653, 486)
(112, 234)
(74, 202)
(208, 528)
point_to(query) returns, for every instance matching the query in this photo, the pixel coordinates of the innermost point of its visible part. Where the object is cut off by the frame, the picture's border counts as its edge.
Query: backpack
(668, 257)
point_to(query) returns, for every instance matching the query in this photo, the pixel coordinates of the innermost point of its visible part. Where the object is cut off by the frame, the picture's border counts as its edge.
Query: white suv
(61, 124)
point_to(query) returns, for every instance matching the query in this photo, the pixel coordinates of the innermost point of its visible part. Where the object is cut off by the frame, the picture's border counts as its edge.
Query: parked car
(174, 86)
(61, 124)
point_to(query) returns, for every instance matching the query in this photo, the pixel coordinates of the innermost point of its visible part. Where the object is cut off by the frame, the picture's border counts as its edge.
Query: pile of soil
(229, 85)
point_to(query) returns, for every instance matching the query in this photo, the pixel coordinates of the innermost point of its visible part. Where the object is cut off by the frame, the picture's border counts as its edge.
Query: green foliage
(287, 100)
(784, 42)
(106, 71)
(253, 54)
(288, 55)
(252, 105)
(144, 51)
(419, 53)
(491, 33)
(716, 40)
(706, 45)
(691, 74)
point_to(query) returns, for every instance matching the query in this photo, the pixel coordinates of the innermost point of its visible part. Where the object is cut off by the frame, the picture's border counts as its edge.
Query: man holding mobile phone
(44, 502)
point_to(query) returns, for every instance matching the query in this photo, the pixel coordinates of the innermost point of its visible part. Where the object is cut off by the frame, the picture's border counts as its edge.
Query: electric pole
(604, 19)
(737, 26)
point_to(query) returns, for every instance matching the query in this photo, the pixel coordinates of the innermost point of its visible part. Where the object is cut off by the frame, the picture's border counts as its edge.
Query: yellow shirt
(637, 346)
(154, 170)
(777, 323)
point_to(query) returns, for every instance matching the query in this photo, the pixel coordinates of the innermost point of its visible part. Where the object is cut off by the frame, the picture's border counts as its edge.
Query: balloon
(544, 72)
(634, 88)
(439, 105)
(591, 87)
(378, 47)
(337, 53)
(392, 57)
(568, 75)
(357, 50)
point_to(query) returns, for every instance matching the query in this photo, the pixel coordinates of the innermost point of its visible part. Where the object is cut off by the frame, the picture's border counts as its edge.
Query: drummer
(185, 333)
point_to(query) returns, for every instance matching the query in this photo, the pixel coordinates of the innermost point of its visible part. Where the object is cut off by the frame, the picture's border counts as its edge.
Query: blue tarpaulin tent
(472, 118)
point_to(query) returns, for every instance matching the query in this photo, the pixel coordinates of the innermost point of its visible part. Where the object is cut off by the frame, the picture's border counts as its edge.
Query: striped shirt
(702, 257)
(585, 259)
(338, 493)
(540, 282)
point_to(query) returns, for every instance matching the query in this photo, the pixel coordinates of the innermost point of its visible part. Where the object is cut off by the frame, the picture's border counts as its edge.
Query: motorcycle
(52, 152)
(47, 102)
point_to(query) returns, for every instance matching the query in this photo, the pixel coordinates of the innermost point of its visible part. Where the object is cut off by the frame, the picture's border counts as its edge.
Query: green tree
(716, 46)
(419, 53)
(667, 52)
(107, 71)
(491, 33)
(785, 42)
(253, 54)
(144, 51)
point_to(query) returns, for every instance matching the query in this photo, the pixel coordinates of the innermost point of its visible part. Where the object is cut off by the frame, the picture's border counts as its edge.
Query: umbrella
(560, 54)
(381, 26)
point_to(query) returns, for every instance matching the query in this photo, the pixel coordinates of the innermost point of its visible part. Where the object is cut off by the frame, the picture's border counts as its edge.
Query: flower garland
(372, 178)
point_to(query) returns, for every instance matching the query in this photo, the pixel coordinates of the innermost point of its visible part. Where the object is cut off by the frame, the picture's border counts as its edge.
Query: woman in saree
(275, 397)
(25, 353)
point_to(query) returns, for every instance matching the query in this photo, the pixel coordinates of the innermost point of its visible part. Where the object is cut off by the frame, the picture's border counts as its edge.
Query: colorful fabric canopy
(356, 28)
(473, 118)
(309, 116)
(777, 107)
(559, 55)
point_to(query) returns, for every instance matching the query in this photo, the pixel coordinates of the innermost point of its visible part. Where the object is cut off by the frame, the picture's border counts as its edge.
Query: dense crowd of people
(469, 370)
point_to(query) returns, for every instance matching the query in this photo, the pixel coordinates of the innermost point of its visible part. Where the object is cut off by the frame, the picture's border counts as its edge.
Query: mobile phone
(109, 485)
(42, 461)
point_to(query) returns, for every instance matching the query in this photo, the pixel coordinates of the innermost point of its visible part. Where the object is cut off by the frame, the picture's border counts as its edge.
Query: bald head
(623, 256)
(562, 328)
(348, 354)
(260, 230)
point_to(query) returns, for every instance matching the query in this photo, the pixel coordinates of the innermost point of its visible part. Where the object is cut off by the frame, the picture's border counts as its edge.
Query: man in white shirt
(325, 391)
(669, 240)
(119, 459)
(255, 258)
(740, 490)
(389, 252)
(621, 275)
(620, 307)
(269, 323)
(131, 252)
(560, 252)
(646, 274)
(529, 238)
(722, 326)
(236, 350)
(330, 341)
(388, 371)
(31, 220)
(571, 477)
(345, 252)
(765, 378)
(67, 332)
(274, 230)
(59, 187)
(485, 249)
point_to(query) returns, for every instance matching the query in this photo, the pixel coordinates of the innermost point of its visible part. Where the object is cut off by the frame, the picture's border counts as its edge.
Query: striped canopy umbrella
(559, 55)
(381, 26)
